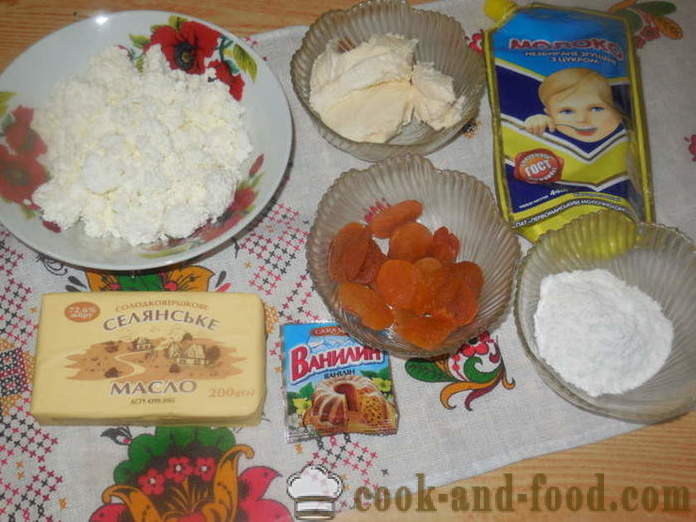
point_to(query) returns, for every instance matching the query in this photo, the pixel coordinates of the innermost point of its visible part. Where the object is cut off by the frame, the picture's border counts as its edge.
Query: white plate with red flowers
(189, 44)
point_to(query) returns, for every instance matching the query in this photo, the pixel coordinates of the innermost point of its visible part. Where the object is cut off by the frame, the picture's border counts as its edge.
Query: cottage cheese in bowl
(141, 155)
(144, 139)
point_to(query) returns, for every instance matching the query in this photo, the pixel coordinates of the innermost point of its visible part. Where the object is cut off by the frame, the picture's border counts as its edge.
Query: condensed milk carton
(194, 358)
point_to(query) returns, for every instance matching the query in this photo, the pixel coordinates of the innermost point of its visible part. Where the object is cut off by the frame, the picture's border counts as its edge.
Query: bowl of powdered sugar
(138, 140)
(605, 309)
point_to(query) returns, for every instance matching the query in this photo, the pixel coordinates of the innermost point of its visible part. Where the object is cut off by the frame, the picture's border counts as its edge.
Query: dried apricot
(446, 285)
(445, 245)
(385, 222)
(471, 274)
(410, 242)
(428, 264)
(423, 297)
(348, 251)
(397, 281)
(424, 332)
(371, 265)
(367, 304)
(464, 307)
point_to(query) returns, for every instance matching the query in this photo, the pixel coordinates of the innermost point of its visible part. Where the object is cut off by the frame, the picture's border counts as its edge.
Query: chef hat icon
(314, 491)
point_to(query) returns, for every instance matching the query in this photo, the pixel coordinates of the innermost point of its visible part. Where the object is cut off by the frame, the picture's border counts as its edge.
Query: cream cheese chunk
(193, 358)
(374, 115)
(434, 101)
(369, 93)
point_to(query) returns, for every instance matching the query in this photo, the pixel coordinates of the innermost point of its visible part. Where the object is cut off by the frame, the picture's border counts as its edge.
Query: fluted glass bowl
(441, 42)
(450, 198)
(661, 262)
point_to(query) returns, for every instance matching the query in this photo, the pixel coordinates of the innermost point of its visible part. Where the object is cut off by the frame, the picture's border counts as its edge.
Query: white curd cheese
(139, 155)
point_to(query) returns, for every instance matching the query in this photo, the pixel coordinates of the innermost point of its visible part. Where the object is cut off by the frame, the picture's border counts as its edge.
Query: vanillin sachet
(568, 119)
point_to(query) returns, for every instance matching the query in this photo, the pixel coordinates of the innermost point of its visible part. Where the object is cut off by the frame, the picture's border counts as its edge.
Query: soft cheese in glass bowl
(382, 79)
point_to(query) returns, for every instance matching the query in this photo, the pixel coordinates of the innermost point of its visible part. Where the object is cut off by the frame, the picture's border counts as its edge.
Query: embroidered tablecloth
(449, 429)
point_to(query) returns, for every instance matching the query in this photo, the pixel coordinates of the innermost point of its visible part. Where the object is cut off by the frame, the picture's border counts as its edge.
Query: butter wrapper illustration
(568, 117)
(333, 384)
(194, 358)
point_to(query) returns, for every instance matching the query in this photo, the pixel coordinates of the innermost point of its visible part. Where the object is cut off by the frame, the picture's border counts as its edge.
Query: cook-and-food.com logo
(314, 490)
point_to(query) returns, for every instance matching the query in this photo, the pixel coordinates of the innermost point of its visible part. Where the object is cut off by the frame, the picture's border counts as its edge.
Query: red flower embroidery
(475, 42)
(650, 32)
(256, 166)
(477, 346)
(19, 176)
(152, 482)
(253, 484)
(205, 468)
(234, 81)
(243, 198)
(50, 225)
(110, 513)
(187, 48)
(178, 469)
(21, 137)
(692, 146)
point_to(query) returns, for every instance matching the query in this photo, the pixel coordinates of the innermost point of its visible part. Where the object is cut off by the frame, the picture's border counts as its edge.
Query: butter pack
(193, 358)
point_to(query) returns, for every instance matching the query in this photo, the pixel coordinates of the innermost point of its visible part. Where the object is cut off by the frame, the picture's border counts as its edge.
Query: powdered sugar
(599, 333)
(140, 156)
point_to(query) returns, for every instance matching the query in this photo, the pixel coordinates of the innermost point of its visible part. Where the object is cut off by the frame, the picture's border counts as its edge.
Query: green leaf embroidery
(291, 405)
(167, 251)
(140, 283)
(139, 41)
(181, 437)
(176, 21)
(475, 375)
(255, 180)
(427, 371)
(140, 452)
(244, 61)
(28, 213)
(125, 473)
(306, 391)
(233, 68)
(4, 98)
(656, 8)
(635, 22)
(6, 122)
(221, 438)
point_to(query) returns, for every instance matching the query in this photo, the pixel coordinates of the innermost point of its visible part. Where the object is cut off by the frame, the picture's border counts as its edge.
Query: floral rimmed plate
(189, 44)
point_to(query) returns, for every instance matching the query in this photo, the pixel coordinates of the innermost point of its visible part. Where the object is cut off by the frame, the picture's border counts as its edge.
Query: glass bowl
(450, 198)
(441, 42)
(661, 262)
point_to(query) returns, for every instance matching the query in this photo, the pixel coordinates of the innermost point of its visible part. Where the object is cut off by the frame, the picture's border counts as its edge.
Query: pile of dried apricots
(418, 287)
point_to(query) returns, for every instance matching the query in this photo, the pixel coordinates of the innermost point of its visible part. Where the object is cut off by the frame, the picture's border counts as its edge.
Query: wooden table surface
(648, 459)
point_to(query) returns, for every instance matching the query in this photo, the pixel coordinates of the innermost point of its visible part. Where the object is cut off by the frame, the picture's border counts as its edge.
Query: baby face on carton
(577, 103)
